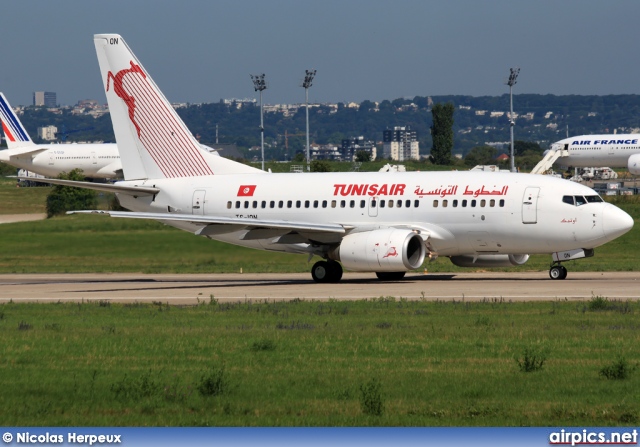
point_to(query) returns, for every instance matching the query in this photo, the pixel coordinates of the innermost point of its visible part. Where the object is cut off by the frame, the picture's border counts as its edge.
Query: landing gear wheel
(321, 271)
(390, 276)
(558, 272)
(336, 271)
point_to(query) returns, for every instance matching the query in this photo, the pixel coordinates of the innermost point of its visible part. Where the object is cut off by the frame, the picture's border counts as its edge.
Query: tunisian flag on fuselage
(246, 190)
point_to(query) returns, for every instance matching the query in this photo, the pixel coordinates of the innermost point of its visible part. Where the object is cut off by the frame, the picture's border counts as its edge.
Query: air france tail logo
(12, 128)
(118, 88)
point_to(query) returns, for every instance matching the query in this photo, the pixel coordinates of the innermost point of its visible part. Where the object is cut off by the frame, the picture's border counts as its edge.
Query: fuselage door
(94, 159)
(530, 205)
(373, 206)
(198, 202)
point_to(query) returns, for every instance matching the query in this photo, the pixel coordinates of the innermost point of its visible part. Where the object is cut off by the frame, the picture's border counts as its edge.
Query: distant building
(354, 145)
(400, 143)
(47, 133)
(47, 99)
(325, 152)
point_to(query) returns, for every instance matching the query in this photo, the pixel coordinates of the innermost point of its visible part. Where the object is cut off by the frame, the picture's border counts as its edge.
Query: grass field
(381, 362)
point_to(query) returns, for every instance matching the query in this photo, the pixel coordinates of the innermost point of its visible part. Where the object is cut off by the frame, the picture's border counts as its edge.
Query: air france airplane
(386, 223)
(614, 151)
(95, 160)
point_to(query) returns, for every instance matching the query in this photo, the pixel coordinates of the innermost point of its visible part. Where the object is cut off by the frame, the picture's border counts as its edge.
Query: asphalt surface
(191, 289)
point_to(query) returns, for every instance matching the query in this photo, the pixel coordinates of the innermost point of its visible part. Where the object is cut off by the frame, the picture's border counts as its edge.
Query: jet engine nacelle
(633, 164)
(489, 260)
(387, 250)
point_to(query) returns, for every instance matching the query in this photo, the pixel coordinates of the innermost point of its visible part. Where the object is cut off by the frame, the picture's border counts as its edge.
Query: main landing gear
(557, 271)
(326, 271)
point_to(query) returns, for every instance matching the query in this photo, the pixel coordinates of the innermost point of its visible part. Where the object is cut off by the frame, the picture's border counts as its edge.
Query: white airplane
(95, 160)
(615, 151)
(385, 223)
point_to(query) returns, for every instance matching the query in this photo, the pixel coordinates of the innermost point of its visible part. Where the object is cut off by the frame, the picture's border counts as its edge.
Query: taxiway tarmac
(191, 289)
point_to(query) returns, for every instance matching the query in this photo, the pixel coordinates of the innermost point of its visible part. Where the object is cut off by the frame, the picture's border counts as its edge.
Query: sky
(204, 50)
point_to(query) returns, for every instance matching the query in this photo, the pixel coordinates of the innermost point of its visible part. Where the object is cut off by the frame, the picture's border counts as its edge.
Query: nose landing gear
(558, 271)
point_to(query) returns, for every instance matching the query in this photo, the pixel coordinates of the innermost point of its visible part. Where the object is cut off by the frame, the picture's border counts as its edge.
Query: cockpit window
(580, 200)
(594, 199)
(568, 199)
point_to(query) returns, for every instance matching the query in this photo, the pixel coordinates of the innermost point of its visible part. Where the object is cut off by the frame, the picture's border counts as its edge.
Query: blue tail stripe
(12, 121)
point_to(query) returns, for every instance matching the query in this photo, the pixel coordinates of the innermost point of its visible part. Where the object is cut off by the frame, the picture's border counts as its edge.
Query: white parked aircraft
(95, 160)
(379, 222)
(615, 151)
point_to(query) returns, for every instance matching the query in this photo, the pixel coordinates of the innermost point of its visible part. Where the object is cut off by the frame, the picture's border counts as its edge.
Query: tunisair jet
(386, 223)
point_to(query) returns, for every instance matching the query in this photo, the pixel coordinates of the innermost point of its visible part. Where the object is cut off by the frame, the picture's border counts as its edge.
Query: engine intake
(489, 260)
(386, 250)
(633, 164)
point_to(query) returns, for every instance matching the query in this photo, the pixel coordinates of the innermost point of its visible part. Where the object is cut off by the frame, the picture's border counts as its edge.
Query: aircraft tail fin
(152, 139)
(14, 132)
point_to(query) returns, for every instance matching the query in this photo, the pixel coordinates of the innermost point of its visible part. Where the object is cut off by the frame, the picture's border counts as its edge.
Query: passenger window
(272, 204)
(416, 203)
(492, 203)
(280, 203)
(455, 203)
(246, 204)
(343, 203)
(483, 203)
(501, 203)
(445, 203)
(315, 204)
(373, 203)
(382, 203)
(228, 205)
(298, 203)
(435, 204)
(238, 204)
(289, 203)
(464, 203)
(264, 204)
(352, 203)
(324, 204)
(399, 204)
(363, 203)
(390, 203)
(306, 204)
(255, 204)
(568, 200)
(473, 203)
(407, 203)
(333, 203)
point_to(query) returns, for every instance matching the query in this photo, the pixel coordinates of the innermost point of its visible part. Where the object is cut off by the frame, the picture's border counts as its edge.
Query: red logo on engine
(246, 190)
(391, 252)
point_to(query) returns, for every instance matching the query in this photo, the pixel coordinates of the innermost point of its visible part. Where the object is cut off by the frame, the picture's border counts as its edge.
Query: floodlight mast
(308, 80)
(513, 76)
(259, 84)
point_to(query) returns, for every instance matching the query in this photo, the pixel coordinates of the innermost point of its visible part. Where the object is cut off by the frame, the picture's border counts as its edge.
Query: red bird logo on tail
(118, 88)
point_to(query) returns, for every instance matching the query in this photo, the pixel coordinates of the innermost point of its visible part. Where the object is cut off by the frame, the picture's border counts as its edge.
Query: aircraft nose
(616, 222)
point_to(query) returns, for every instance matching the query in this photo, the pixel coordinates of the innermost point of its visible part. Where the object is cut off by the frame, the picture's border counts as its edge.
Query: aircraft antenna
(259, 84)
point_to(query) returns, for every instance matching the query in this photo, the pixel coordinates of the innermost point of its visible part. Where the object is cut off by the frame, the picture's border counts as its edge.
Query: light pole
(512, 122)
(308, 79)
(259, 84)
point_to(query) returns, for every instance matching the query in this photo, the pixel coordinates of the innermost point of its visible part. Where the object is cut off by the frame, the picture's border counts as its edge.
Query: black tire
(555, 272)
(335, 270)
(390, 276)
(563, 274)
(321, 272)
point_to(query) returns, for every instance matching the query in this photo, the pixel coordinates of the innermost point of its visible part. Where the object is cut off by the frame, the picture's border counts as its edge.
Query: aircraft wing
(289, 232)
(138, 191)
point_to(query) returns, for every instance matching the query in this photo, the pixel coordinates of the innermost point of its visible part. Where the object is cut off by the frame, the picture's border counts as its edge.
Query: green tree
(363, 156)
(521, 147)
(320, 166)
(442, 133)
(481, 155)
(68, 198)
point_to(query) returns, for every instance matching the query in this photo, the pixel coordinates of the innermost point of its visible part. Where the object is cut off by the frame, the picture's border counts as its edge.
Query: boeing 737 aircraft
(386, 223)
(614, 151)
(95, 160)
